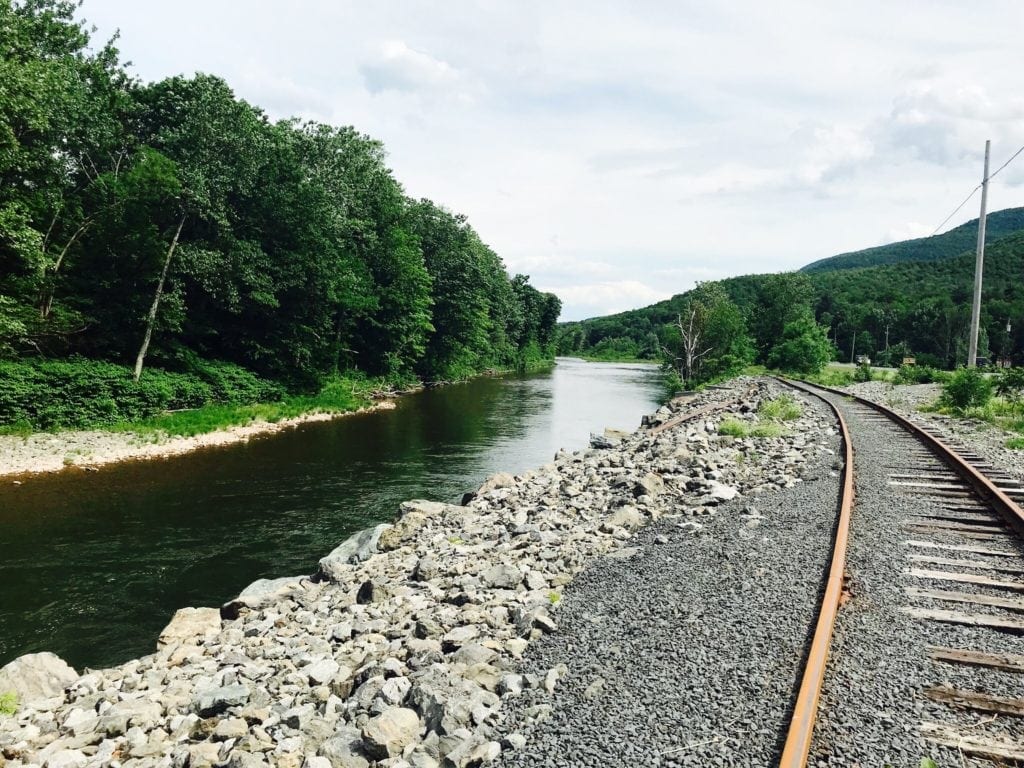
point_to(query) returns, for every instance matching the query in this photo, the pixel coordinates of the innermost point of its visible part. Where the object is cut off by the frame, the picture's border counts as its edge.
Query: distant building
(910, 361)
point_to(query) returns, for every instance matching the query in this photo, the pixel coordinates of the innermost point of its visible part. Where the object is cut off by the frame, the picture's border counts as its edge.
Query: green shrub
(966, 388)
(804, 347)
(918, 374)
(1010, 384)
(79, 393)
(767, 429)
(736, 428)
(733, 428)
(863, 373)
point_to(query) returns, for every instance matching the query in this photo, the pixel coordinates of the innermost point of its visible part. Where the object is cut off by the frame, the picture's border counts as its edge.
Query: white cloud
(908, 231)
(605, 298)
(397, 67)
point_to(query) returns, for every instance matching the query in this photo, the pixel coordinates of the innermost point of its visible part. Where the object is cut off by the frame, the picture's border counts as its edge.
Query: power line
(966, 200)
(1007, 162)
(973, 191)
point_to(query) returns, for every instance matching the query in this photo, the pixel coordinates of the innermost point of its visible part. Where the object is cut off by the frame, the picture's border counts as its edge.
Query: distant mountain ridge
(911, 298)
(948, 245)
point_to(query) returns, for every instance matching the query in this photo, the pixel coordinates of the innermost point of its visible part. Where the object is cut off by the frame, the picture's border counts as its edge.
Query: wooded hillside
(914, 307)
(945, 246)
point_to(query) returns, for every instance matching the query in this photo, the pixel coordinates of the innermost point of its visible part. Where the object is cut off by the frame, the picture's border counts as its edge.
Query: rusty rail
(801, 727)
(1011, 512)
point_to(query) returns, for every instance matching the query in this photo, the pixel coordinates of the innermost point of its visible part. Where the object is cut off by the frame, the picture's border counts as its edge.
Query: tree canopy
(178, 211)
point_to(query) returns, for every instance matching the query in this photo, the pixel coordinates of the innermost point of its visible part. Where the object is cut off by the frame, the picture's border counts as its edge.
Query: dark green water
(92, 565)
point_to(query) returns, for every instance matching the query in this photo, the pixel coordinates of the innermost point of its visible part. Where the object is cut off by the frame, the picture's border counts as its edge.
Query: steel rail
(797, 746)
(1010, 510)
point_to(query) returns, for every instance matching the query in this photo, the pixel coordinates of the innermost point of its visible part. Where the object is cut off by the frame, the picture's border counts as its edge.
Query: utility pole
(979, 268)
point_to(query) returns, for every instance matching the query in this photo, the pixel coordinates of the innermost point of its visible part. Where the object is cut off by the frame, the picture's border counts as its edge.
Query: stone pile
(400, 650)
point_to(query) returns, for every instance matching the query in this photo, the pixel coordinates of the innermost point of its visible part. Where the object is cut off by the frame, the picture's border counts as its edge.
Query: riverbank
(177, 432)
(87, 450)
(406, 645)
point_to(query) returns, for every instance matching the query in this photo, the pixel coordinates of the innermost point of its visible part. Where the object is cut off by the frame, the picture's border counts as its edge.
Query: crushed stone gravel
(688, 652)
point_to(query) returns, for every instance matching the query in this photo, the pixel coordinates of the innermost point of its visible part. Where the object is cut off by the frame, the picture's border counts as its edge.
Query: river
(92, 565)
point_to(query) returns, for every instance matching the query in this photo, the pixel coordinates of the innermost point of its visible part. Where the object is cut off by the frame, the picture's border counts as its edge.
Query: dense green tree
(803, 347)
(781, 298)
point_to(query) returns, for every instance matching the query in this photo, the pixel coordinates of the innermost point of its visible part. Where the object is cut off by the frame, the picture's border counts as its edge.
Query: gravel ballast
(687, 652)
(987, 439)
(872, 703)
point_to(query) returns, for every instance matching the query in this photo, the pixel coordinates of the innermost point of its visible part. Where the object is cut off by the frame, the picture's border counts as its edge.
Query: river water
(92, 565)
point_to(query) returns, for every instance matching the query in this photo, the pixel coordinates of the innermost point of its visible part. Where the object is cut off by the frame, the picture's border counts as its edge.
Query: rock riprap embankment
(401, 650)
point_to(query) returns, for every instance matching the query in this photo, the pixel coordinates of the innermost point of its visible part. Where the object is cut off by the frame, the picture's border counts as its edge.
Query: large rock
(502, 576)
(67, 758)
(413, 515)
(649, 485)
(190, 625)
(388, 734)
(625, 517)
(722, 492)
(260, 594)
(344, 749)
(214, 701)
(322, 672)
(36, 676)
(496, 481)
(355, 549)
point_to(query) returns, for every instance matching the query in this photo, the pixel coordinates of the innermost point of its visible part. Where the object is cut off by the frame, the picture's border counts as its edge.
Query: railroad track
(918, 648)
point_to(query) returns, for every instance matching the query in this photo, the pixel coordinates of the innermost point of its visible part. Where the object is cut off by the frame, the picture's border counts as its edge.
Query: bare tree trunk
(151, 318)
(691, 337)
(46, 300)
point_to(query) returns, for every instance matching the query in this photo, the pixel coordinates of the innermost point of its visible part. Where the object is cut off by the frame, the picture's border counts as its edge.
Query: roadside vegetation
(167, 246)
(995, 398)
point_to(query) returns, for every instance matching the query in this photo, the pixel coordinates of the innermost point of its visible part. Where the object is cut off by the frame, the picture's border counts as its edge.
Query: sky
(619, 152)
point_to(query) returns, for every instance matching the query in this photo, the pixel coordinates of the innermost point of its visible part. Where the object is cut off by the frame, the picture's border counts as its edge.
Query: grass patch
(20, 428)
(1015, 443)
(8, 704)
(340, 395)
(736, 428)
(782, 408)
(616, 358)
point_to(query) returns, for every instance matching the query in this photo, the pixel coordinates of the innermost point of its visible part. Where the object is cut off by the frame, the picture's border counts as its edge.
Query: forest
(172, 228)
(916, 307)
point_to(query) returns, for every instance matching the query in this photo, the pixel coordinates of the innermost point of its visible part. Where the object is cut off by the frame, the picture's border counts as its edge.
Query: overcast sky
(619, 151)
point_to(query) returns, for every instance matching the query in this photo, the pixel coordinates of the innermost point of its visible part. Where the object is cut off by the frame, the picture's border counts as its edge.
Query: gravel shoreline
(87, 449)
(404, 649)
